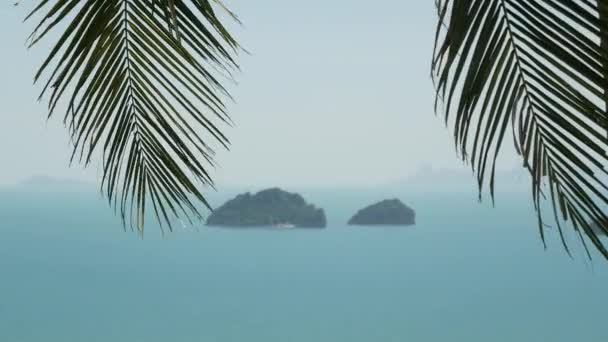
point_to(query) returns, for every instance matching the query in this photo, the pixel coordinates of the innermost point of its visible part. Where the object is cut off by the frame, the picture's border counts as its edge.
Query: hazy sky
(334, 93)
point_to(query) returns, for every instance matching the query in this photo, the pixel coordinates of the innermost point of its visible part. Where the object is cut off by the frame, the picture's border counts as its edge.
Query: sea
(468, 271)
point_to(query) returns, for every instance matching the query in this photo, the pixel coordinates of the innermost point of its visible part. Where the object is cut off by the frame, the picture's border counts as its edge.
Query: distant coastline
(41, 183)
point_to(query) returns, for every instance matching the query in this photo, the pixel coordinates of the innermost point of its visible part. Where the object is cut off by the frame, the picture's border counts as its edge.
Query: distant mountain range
(46, 183)
(426, 179)
(440, 180)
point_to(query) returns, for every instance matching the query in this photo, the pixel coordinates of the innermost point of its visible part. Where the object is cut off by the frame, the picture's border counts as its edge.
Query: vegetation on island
(387, 212)
(271, 207)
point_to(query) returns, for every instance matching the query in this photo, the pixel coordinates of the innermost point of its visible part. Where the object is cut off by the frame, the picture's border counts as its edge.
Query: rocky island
(388, 212)
(268, 208)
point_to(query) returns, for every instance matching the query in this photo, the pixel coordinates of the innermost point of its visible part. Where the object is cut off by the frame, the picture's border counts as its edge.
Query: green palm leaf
(536, 68)
(140, 84)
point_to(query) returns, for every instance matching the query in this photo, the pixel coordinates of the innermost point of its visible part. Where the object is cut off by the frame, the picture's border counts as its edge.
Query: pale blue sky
(334, 93)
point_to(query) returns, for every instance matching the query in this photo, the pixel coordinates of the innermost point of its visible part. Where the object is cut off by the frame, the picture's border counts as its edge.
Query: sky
(333, 93)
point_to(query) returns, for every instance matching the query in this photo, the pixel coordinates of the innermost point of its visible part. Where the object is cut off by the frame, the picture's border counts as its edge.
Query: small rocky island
(268, 208)
(388, 212)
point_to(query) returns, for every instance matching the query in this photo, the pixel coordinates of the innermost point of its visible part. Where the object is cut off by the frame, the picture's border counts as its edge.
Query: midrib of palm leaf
(525, 63)
(604, 46)
(144, 93)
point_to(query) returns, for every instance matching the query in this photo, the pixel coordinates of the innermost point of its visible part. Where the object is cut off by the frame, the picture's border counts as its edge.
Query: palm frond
(139, 81)
(535, 72)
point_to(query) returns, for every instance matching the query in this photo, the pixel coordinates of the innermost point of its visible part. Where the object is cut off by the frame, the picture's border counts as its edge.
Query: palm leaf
(139, 81)
(532, 71)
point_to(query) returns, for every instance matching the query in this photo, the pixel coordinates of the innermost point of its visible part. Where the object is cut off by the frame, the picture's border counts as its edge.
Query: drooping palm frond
(140, 83)
(536, 68)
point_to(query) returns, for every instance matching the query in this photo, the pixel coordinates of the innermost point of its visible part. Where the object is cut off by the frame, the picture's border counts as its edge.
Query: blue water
(466, 272)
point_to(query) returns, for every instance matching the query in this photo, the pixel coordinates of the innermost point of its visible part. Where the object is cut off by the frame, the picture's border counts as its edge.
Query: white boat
(284, 225)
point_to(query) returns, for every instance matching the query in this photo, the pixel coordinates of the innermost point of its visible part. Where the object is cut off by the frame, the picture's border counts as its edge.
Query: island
(268, 208)
(390, 212)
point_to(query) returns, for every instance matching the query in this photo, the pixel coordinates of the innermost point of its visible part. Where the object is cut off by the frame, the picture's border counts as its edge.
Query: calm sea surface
(466, 272)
